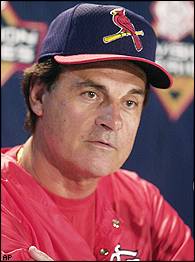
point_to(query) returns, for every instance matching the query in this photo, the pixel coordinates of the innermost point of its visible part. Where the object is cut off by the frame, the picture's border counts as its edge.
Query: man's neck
(33, 160)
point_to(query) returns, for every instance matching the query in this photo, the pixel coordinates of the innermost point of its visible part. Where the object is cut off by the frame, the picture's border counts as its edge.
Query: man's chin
(92, 167)
(98, 171)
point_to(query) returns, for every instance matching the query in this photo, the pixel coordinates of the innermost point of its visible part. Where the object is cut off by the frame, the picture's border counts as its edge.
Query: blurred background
(164, 150)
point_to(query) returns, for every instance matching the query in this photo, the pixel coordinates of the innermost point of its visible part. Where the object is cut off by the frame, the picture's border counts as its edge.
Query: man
(63, 190)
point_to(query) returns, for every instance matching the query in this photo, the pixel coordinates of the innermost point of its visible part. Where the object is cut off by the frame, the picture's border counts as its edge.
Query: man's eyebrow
(137, 91)
(90, 83)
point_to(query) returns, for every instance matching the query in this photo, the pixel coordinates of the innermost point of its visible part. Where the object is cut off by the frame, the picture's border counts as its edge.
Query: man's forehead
(114, 64)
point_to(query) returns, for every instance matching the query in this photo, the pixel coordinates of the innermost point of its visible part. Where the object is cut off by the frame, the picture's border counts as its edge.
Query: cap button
(116, 223)
(104, 251)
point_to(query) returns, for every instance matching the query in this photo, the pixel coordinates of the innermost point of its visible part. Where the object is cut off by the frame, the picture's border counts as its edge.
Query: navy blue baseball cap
(89, 33)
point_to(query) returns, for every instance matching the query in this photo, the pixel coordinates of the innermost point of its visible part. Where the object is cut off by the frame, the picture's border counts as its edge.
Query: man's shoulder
(8, 158)
(130, 178)
(130, 183)
(132, 195)
(10, 150)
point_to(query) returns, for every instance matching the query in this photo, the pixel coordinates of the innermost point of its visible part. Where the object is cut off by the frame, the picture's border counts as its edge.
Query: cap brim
(157, 76)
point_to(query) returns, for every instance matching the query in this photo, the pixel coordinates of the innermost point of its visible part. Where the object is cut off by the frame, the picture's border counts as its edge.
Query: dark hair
(46, 72)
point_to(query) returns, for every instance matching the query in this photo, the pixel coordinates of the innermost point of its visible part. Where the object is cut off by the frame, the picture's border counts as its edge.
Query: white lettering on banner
(177, 58)
(21, 53)
(14, 35)
(116, 256)
(18, 44)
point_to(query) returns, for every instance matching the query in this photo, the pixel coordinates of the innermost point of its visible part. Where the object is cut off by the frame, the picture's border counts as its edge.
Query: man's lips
(102, 143)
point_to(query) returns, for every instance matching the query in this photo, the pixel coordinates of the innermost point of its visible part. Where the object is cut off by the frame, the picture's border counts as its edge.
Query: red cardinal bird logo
(126, 29)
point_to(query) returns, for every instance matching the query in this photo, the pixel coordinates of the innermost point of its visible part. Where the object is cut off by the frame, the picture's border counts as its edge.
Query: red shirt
(80, 213)
(129, 220)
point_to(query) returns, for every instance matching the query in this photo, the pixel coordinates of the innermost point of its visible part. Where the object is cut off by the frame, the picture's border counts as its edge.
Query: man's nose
(110, 117)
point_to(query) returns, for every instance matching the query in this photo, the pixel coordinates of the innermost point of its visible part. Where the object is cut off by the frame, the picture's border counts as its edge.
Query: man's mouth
(102, 144)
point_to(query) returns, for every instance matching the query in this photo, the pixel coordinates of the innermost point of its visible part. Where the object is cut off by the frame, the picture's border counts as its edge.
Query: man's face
(90, 119)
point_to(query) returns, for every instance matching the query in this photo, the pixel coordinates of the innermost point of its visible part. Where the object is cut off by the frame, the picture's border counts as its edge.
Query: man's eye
(130, 103)
(90, 94)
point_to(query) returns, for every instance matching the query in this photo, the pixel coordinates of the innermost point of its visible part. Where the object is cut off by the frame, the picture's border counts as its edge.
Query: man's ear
(37, 92)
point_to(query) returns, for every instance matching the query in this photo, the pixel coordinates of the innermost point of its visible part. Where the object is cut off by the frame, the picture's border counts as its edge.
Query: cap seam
(70, 26)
